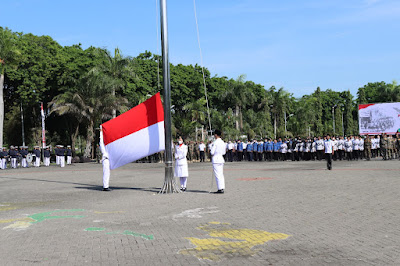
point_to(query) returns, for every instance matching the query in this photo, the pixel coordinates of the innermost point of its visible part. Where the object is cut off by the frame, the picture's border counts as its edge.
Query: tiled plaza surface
(272, 213)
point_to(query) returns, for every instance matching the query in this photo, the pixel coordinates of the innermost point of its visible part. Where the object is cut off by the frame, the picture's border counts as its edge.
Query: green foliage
(83, 87)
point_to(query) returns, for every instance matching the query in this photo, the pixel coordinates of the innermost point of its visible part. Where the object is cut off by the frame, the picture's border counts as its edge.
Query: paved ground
(292, 213)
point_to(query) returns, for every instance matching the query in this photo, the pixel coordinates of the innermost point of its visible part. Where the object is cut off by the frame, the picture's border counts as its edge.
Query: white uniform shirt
(284, 148)
(218, 149)
(328, 146)
(335, 145)
(244, 145)
(231, 146)
(202, 147)
(341, 144)
(356, 144)
(180, 154)
(320, 144)
(361, 144)
(348, 145)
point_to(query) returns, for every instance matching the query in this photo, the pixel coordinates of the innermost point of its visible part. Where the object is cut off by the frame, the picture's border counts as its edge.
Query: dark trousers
(319, 155)
(269, 155)
(250, 156)
(230, 156)
(328, 157)
(239, 155)
(201, 156)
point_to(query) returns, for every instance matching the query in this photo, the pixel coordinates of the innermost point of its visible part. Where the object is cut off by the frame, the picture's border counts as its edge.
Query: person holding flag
(105, 162)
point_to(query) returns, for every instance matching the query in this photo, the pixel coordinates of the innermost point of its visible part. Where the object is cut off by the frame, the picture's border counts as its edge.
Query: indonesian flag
(135, 134)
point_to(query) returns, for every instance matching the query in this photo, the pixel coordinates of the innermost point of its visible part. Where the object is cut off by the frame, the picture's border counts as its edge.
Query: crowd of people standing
(305, 149)
(16, 157)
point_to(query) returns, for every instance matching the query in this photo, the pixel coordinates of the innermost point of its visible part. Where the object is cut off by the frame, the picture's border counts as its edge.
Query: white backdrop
(379, 118)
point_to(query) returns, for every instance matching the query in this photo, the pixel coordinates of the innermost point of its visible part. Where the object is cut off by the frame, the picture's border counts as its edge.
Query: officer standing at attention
(61, 155)
(250, 151)
(13, 153)
(320, 148)
(46, 156)
(218, 150)
(3, 158)
(69, 155)
(24, 153)
(367, 147)
(328, 151)
(181, 164)
(36, 152)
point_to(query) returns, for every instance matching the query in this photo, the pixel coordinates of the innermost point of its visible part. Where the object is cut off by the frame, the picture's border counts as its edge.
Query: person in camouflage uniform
(367, 148)
(196, 152)
(190, 151)
(391, 145)
(384, 146)
(398, 145)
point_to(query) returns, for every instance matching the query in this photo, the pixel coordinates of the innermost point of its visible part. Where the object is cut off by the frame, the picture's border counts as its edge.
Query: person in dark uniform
(61, 155)
(3, 158)
(69, 155)
(46, 156)
(250, 151)
(37, 154)
(24, 153)
(239, 151)
(13, 153)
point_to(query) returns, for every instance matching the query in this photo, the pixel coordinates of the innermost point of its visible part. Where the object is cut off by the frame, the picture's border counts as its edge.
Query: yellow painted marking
(241, 241)
(98, 212)
(19, 225)
(15, 206)
(26, 219)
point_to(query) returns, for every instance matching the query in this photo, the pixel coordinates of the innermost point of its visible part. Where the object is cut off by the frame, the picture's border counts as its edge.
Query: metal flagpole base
(169, 182)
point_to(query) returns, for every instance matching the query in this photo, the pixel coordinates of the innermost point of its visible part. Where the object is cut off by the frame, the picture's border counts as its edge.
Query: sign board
(378, 118)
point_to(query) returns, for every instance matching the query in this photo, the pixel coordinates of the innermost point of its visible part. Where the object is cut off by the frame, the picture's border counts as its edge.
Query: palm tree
(197, 110)
(8, 52)
(239, 95)
(118, 69)
(90, 102)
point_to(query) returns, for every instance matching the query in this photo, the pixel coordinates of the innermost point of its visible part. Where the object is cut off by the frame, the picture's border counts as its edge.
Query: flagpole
(43, 126)
(169, 184)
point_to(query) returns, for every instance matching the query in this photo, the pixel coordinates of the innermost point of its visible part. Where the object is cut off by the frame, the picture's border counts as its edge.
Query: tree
(8, 52)
(91, 102)
(118, 69)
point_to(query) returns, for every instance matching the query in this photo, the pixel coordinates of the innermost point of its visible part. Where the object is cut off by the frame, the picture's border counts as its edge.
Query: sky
(298, 45)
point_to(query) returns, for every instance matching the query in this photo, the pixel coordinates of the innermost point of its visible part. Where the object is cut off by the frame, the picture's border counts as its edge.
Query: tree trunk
(114, 112)
(237, 117)
(1, 108)
(89, 140)
(73, 140)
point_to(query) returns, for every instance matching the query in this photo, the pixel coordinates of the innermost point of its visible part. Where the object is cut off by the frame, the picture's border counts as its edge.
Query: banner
(378, 118)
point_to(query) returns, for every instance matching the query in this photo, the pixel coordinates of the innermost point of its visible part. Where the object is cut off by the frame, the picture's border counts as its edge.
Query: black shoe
(184, 189)
(107, 189)
(219, 191)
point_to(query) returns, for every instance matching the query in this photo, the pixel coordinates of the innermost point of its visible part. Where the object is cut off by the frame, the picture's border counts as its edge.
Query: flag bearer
(181, 164)
(218, 151)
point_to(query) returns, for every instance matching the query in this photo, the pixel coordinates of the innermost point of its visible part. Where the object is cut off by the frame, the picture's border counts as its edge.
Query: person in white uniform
(181, 164)
(329, 151)
(218, 151)
(106, 163)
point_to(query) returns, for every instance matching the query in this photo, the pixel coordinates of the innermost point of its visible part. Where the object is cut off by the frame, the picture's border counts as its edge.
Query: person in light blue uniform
(255, 147)
(270, 150)
(260, 150)
(276, 150)
(250, 151)
(239, 150)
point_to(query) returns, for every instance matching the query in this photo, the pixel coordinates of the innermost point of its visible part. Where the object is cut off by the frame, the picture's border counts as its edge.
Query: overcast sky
(298, 45)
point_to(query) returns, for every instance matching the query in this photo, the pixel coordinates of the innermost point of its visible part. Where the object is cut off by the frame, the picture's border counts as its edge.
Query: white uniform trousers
(13, 162)
(57, 160)
(69, 159)
(3, 163)
(62, 161)
(106, 173)
(24, 163)
(46, 161)
(219, 175)
(37, 162)
(183, 181)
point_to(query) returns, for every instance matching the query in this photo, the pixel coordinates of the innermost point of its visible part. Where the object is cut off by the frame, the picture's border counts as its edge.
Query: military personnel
(391, 146)
(61, 155)
(13, 153)
(46, 156)
(367, 148)
(24, 152)
(69, 155)
(36, 152)
(3, 158)
(384, 146)
(398, 145)
(190, 151)
(196, 153)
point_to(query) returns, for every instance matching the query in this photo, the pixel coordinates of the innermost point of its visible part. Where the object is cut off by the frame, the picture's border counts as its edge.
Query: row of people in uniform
(21, 156)
(350, 148)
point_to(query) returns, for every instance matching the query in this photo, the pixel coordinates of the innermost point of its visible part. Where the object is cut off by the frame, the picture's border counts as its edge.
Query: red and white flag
(135, 134)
